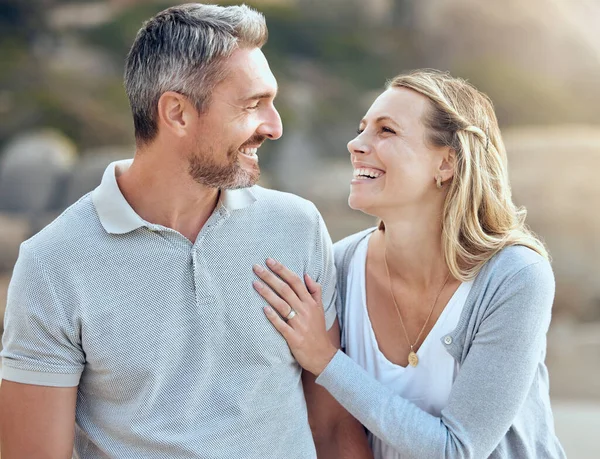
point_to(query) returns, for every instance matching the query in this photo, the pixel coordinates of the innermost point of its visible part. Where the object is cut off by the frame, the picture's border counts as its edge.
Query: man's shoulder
(284, 203)
(70, 229)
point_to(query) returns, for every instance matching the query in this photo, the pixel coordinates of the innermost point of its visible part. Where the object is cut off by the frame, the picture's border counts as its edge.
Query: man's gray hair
(182, 49)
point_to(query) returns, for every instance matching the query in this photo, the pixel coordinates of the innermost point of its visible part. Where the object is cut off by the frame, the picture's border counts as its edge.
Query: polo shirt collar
(237, 199)
(115, 213)
(118, 217)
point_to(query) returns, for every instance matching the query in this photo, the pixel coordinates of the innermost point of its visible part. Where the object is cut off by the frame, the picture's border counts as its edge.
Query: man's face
(240, 117)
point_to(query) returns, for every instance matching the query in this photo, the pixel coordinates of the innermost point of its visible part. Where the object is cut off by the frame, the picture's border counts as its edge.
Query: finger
(314, 288)
(278, 285)
(280, 305)
(290, 277)
(280, 325)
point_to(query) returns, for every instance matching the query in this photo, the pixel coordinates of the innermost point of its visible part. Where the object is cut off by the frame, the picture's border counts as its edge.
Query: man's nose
(272, 126)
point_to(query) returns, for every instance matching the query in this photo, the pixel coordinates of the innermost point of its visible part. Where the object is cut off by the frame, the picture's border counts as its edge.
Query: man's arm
(336, 433)
(36, 421)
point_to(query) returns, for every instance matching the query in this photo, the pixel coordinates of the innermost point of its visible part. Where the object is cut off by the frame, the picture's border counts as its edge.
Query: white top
(428, 384)
(166, 339)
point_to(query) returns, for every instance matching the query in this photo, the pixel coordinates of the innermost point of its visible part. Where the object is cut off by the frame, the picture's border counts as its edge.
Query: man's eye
(387, 129)
(252, 107)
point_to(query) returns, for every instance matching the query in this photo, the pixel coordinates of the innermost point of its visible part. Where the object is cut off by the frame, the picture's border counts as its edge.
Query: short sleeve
(325, 273)
(41, 341)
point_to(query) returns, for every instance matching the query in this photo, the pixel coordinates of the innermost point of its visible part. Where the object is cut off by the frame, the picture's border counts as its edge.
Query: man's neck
(162, 192)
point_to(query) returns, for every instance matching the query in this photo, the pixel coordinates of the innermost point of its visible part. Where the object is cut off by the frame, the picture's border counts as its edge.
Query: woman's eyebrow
(379, 119)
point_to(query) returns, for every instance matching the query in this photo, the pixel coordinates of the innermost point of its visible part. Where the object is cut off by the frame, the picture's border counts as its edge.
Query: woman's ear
(447, 164)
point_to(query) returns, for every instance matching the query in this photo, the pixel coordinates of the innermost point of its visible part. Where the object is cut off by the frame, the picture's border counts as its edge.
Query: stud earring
(438, 181)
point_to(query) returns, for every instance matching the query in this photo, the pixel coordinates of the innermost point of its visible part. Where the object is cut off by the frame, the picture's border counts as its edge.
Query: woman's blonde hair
(479, 217)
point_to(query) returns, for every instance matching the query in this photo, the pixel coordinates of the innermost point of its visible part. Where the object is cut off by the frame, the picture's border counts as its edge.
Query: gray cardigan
(499, 405)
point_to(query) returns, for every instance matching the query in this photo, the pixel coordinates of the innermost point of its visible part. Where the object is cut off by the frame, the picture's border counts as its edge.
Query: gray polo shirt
(166, 339)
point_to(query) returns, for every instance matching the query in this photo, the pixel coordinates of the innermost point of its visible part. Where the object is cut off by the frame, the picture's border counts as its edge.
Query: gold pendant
(413, 359)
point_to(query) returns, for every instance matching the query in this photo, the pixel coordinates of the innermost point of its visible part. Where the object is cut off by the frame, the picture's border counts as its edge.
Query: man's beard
(204, 170)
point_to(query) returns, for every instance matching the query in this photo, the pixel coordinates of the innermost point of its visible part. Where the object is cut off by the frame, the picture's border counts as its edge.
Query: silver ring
(291, 315)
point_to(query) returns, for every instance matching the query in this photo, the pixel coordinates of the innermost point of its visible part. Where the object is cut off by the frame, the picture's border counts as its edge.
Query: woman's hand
(301, 318)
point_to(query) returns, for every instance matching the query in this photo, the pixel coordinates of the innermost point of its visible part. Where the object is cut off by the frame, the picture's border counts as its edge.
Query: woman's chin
(358, 202)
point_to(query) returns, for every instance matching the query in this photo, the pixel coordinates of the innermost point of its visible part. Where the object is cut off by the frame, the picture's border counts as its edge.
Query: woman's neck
(413, 249)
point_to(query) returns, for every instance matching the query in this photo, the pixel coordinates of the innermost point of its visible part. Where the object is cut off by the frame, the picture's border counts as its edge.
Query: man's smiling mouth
(251, 152)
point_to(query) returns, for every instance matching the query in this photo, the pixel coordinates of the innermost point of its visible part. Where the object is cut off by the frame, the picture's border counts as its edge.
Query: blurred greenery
(117, 35)
(69, 76)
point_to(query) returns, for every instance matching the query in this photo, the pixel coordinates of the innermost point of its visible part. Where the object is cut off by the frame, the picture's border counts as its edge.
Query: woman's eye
(387, 129)
(359, 131)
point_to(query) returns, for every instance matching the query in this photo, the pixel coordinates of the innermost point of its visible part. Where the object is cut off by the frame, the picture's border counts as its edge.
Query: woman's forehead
(399, 104)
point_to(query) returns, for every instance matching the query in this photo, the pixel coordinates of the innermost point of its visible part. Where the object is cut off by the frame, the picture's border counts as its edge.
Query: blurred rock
(32, 169)
(83, 178)
(14, 229)
(554, 174)
(87, 174)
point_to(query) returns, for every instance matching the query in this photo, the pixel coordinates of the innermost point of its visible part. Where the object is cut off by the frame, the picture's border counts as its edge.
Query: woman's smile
(365, 174)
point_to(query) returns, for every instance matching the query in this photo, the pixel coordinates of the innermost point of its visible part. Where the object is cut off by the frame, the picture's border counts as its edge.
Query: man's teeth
(363, 172)
(248, 151)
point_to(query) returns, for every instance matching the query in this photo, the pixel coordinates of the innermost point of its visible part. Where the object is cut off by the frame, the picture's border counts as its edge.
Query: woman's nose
(358, 146)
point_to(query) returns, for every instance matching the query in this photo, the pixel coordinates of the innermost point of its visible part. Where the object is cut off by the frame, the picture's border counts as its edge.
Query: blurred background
(64, 116)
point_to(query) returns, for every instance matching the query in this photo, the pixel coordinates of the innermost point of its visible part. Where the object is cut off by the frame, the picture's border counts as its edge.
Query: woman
(444, 307)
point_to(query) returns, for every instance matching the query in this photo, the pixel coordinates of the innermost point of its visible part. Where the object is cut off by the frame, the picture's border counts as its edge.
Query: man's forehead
(249, 75)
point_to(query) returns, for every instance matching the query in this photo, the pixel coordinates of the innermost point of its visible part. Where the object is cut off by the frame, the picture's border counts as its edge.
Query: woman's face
(394, 167)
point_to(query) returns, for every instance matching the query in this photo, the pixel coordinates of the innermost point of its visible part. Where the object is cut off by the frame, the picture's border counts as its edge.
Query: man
(132, 328)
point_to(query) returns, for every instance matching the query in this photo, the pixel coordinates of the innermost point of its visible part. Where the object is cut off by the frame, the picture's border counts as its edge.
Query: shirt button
(448, 339)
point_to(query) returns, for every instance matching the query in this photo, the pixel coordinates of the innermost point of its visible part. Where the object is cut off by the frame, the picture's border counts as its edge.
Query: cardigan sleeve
(491, 386)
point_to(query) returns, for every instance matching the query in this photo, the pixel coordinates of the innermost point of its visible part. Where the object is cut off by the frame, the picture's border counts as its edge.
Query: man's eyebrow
(263, 95)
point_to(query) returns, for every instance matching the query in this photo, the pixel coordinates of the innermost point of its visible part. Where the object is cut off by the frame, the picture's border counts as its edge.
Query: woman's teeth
(369, 173)
(249, 152)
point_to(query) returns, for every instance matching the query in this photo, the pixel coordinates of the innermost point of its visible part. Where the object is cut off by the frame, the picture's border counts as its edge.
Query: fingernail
(258, 268)
(257, 285)
(271, 262)
(268, 310)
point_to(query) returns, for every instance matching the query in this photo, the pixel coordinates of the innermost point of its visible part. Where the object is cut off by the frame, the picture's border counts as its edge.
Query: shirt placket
(203, 283)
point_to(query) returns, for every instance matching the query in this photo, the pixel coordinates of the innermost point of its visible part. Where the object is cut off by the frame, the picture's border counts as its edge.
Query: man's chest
(173, 317)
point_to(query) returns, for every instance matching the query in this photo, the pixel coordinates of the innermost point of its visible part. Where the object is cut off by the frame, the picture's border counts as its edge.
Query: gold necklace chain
(412, 356)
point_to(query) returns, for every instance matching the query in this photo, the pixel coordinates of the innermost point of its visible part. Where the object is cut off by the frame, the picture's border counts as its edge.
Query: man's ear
(174, 113)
